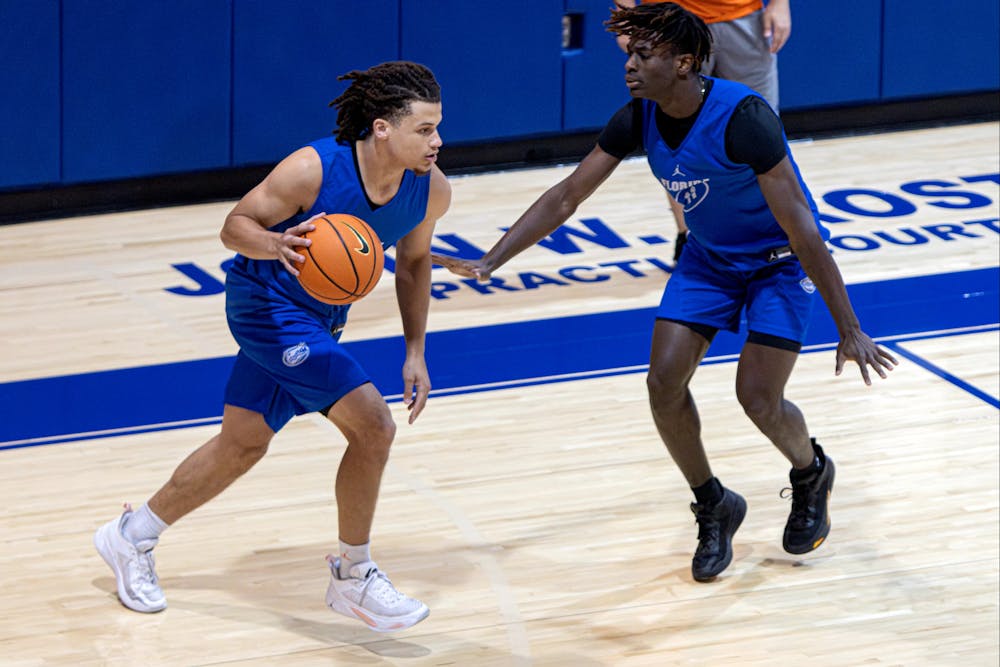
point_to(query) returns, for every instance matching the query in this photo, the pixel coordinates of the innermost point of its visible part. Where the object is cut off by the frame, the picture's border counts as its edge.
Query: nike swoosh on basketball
(364, 249)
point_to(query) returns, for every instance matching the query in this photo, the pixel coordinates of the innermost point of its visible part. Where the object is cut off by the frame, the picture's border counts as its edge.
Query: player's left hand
(416, 385)
(858, 347)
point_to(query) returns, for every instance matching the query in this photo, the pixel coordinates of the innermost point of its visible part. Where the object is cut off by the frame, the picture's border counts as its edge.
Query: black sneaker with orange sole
(809, 520)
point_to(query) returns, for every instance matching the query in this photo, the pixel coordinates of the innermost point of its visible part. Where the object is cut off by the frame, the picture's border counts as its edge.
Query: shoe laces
(377, 585)
(145, 568)
(144, 572)
(803, 510)
(709, 527)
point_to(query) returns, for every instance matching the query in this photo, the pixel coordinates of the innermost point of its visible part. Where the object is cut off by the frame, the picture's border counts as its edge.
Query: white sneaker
(368, 595)
(133, 565)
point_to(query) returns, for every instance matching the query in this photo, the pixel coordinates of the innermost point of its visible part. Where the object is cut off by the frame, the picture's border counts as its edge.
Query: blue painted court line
(530, 382)
(110, 433)
(943, 374)
(159, 397)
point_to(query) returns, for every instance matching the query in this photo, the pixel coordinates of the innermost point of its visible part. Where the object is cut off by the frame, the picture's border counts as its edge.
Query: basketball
(344, 262)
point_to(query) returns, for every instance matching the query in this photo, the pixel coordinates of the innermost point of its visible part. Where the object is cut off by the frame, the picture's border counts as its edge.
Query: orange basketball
(344, 262)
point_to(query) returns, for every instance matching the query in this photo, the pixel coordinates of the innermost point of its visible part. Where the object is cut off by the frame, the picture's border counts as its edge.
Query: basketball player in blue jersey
(381, 168)
(756, 246)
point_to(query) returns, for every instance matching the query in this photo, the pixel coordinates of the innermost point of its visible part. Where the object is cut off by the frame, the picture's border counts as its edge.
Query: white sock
(143, 525)
(351, 554)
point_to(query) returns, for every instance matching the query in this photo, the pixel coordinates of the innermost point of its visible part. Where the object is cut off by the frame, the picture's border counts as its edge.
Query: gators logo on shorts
(295, 355)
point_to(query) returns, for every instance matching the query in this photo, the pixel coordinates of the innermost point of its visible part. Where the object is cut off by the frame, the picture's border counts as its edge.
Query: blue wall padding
(499, 63)
(936, 48)
(286, 60)
(833, 55)
(99, 90)
(146, 87)
(29, 93)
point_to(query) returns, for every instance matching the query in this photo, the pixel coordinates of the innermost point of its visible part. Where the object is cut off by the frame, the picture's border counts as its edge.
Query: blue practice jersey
(724, 207)
(340, 192)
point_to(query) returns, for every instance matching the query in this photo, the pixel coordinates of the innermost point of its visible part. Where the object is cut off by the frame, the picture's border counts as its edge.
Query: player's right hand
(290, 240)
(469, 268)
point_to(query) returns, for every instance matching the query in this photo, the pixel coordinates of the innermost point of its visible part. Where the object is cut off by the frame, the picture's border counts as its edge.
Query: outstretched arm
(788, 204)
(542, 217)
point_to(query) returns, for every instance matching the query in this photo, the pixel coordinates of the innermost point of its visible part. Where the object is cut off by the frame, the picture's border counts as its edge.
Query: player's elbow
(563, 202)
(227, 237)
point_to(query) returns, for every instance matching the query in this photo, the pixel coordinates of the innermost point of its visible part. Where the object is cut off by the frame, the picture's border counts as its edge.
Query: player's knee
(663, 386)
(383, 432)
(758, 404)
(375, 438)
(247, 451)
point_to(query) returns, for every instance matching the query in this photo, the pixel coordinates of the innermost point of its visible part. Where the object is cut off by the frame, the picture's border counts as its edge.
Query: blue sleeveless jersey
(340, 192)
(724, 207)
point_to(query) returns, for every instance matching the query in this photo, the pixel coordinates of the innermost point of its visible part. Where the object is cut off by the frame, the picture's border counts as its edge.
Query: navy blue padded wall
(146, 87)
(934, 48)
(499, 64)
(594, 84)
(286, 60)
(833, 55)
(29, 79)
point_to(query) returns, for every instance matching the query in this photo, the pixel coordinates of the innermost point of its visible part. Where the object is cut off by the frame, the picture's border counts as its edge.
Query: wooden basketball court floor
(532, 505)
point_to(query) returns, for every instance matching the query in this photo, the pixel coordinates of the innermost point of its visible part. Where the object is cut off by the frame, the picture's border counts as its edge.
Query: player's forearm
(826, 276)
(413, 292)
(541, 219)
(248, 237)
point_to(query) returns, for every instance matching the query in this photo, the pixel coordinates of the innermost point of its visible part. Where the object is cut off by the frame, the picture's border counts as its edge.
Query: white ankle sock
(351, 554)
(143, 525)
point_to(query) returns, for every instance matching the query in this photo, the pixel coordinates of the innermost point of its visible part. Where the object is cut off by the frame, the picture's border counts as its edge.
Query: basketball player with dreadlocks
(380, 167)
(756, 246)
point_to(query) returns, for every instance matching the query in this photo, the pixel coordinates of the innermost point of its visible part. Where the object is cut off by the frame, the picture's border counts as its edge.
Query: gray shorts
(740, 53)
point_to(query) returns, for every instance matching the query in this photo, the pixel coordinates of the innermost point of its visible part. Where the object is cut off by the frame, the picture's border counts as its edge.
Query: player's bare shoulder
(301, 166)
(297, 178)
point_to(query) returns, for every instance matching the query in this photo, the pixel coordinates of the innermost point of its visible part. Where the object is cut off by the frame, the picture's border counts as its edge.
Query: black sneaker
(809, 521)
(716, 526)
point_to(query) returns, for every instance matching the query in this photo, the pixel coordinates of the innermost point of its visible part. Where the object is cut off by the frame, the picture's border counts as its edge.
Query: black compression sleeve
(755, 136)
(623, 133)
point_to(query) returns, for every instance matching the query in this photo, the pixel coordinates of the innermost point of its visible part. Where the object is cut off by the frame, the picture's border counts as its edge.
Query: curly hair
(664, 24)
(383, 91)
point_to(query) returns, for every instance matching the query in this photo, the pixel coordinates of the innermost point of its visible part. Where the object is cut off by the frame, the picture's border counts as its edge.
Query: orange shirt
(713, 11)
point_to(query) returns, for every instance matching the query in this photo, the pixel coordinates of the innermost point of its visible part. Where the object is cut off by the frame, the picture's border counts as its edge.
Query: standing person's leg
(742, 53)
(127, 543)
(677, 350)
(358, 589)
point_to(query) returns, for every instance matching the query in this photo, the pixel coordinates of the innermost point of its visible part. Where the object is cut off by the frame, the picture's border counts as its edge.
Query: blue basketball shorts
(289, 362)
(778, 298)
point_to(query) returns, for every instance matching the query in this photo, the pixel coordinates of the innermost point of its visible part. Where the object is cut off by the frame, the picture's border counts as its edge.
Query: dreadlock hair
(383, 91)
(664, 24)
